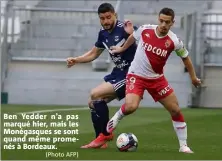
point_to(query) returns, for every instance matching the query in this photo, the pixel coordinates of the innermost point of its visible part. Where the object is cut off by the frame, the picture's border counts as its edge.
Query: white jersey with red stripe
(153, 51)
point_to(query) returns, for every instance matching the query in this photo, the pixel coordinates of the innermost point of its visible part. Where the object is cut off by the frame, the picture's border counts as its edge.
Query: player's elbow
(187, 61)
(185, 58)
(93, 55)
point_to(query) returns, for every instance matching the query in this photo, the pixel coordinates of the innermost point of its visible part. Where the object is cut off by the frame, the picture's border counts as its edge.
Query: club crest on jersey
(116, 38)
(167, 43)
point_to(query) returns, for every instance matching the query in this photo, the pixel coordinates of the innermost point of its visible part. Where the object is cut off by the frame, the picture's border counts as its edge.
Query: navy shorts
(118, 79)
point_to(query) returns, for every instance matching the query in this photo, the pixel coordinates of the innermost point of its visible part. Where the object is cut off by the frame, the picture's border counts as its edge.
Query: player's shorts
(158, 88)
(118, 79)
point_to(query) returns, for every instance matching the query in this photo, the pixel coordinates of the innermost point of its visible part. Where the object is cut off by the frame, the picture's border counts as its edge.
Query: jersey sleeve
(180, 49)
(99, 41)
(137, 33)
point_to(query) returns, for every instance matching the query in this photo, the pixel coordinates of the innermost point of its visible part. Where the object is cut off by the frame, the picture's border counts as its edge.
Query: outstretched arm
(189, 65)
(129, 28)
(136, 35)
(89, 56)
(127, 44)
(85, 58)
(183, 53)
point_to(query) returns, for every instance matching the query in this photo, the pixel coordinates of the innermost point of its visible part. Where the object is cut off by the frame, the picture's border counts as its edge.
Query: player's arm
(189, 65)
(90, 55)
(131, 39)
(85, 58)
(128, 27)
(127, 44)
(183, 53)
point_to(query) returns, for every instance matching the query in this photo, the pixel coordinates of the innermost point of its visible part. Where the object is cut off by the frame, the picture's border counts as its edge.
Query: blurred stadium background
(38, 36)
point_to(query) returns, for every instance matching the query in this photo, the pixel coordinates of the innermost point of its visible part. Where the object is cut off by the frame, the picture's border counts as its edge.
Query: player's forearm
(189, 65)
(87, 57)
(128, 42)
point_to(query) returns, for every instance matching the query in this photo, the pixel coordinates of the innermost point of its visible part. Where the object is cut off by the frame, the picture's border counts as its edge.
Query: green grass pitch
(153, 128)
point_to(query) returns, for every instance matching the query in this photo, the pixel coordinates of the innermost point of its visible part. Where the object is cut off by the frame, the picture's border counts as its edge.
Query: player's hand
(70, 61)
(196, 82)
(128, 26)
(116, 49)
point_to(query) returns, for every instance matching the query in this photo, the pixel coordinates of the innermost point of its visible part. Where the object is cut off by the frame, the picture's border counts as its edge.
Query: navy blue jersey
(117, 38)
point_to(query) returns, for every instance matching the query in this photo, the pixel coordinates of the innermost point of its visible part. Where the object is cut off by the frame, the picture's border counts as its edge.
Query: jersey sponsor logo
(122, 65)
(116, 58)
(164, 91)
(154, 49)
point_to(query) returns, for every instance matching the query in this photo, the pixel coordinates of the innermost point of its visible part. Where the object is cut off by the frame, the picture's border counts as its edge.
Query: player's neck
(159, 34)
(113, 27)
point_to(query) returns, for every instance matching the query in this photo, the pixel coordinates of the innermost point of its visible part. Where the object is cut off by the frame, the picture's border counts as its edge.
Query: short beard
(111, 27)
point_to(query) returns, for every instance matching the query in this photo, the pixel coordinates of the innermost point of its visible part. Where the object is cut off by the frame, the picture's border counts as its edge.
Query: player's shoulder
(120, 24)
(101, 32)
(173, 36)
(148, 26)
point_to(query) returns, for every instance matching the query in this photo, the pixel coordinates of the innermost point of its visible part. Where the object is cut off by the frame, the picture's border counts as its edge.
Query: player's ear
(116, 15)
(173, 22)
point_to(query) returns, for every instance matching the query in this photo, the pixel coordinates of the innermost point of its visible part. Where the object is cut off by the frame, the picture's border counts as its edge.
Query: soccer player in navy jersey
(113, 33)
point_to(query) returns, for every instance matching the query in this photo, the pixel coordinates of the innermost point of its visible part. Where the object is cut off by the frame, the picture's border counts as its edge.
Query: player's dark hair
(168, 12)
(106, 7)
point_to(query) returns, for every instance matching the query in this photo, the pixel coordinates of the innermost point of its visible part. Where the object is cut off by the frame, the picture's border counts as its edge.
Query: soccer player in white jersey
(155, 44)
